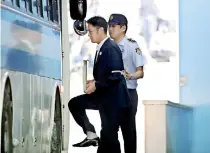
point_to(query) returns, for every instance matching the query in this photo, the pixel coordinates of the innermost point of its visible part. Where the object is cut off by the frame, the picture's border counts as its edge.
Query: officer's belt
(118, 71)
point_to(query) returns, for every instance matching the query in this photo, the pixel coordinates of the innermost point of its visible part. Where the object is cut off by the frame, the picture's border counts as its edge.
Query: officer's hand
(91, 88)
(127, 75)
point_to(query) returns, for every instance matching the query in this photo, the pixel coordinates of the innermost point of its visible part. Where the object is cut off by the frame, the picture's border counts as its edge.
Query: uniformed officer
(107, 92)
(133, 64)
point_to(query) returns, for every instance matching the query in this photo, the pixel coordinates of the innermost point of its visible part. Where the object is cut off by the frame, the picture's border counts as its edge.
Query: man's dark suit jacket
(110, 86)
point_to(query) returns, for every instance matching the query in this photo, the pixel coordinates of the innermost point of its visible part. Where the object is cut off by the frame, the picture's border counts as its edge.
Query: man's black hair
(98, 22)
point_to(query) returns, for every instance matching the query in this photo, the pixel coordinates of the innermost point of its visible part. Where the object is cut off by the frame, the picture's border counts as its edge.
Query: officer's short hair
(99, 22)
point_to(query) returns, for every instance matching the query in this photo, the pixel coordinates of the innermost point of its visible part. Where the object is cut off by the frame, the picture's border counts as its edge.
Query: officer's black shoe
(88, 142)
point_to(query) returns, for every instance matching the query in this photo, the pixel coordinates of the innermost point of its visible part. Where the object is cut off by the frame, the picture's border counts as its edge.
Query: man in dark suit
(107, 92)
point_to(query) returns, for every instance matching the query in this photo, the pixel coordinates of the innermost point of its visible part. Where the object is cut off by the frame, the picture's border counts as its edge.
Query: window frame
(34, 13)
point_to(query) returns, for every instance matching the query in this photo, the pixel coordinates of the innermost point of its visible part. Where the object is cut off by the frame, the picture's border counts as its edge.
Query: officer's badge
(138, 51)
(131, 40)
(110, 18)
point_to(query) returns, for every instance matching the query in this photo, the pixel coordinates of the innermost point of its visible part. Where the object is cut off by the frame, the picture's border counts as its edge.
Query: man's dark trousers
(110, 117)
(79, 104)
(128, 124)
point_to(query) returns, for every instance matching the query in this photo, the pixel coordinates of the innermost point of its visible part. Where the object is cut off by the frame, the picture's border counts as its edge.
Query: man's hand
(90, 87)
(89, 81)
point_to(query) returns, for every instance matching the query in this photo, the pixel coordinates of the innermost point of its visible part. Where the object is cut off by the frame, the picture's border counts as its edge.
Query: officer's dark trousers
(128, 123)
(110, 119)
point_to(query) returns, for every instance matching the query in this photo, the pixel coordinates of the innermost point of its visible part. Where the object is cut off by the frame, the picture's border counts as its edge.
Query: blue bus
(34, 76)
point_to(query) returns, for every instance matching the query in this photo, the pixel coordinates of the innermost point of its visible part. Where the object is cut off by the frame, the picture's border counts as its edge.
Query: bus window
(23, 4)
(52, 10)
(34, 7)
(8, 1)
(49, 10)
(29, 5)
(44, 4)
(39, 7)
(17, 3)
(55, 10)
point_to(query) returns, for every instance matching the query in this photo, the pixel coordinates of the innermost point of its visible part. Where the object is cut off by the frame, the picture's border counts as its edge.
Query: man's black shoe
(88, 142)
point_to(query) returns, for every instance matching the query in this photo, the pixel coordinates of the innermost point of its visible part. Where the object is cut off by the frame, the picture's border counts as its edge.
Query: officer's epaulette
(131, 40)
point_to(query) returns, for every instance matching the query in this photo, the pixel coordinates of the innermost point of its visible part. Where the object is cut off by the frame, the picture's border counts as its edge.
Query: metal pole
(84, 74)
(65, 71)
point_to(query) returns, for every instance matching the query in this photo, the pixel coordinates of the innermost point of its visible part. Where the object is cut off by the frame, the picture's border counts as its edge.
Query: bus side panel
(33, 111)
(30, 53)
